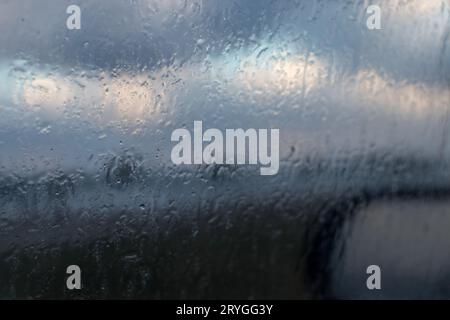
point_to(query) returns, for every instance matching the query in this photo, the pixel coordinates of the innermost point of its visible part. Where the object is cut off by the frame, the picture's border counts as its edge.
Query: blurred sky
(139, 69)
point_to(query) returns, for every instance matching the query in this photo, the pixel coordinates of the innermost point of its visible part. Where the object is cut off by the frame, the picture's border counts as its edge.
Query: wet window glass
(172, 149)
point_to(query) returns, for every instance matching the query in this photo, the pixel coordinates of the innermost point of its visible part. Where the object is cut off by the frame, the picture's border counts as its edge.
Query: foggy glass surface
(86, 176)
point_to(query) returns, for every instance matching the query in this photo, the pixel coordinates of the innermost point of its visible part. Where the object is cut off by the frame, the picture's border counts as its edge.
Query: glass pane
(120, 149)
